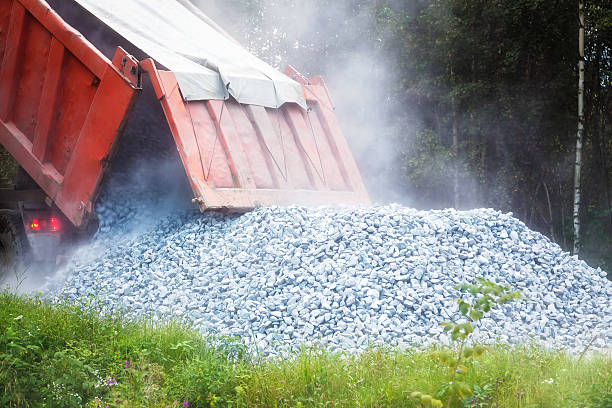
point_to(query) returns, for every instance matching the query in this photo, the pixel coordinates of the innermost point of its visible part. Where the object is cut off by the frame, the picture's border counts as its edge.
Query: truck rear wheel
(13, 245)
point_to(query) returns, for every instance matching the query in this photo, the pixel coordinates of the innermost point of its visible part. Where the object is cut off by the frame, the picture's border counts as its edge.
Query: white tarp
(207, 64)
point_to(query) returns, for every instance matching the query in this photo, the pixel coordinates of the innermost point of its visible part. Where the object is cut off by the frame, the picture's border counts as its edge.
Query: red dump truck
(71, 73)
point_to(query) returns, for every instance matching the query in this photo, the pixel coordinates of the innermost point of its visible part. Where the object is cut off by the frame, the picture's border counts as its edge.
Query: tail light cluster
(45, 224)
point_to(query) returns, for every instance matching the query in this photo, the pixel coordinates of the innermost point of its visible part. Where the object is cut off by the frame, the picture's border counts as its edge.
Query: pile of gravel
(283, 277)
(345, 277)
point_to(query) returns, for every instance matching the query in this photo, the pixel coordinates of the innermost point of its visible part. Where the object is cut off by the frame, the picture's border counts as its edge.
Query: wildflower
(111, 381)
(126, 364)
(458, 371)
(186, 404)
(18, 317)
(549, 381)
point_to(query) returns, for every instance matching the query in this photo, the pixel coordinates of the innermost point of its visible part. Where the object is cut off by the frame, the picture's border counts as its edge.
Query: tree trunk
(580, 133)
(456, 154)
(455, 146)
(562, 206)
(551, 224)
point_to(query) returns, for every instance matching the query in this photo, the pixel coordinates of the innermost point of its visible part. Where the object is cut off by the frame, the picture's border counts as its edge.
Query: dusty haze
(324, 38)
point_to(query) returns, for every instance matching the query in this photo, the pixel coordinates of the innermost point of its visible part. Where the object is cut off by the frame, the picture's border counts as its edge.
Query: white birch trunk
(580, 133)
(455, 148)
(456, 153)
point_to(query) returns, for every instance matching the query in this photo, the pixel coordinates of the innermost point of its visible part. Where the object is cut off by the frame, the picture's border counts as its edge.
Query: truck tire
(13, 245)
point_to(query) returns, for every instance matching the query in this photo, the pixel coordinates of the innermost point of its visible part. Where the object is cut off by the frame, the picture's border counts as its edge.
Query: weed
(486, 296)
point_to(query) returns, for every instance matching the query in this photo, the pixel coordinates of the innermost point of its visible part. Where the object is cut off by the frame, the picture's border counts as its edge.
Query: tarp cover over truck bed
(247, 134)
(206, 64)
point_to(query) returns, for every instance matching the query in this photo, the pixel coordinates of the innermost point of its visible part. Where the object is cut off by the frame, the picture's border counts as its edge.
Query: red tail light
(35, 225)
(45, 225)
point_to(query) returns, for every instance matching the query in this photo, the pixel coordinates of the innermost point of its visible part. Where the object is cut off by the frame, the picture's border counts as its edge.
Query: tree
(580, 133)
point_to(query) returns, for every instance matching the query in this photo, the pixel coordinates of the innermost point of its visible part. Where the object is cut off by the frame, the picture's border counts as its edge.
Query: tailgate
(240, 156)
(62, 103)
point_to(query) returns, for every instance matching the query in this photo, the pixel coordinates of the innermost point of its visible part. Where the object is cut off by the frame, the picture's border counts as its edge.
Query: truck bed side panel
(241, 156)
(62, 104)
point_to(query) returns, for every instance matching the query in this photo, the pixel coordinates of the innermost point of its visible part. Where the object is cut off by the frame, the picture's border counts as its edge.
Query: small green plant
(485, 296)
(481, 396)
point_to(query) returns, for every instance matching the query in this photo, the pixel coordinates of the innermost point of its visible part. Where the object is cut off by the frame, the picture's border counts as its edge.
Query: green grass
(8, 169)
(61, 355)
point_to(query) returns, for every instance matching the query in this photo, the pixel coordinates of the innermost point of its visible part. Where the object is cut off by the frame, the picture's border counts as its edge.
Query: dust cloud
(327, 38)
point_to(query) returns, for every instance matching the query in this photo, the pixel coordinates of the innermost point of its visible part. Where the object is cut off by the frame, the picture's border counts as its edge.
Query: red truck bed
(63, 105)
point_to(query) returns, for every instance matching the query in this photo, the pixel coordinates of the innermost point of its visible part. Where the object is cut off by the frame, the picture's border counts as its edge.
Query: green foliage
(600, 394)
(60, 355)
(481, 396)
(71, 355)
(8, 169)
(210, 379)
(426, 162)
(383, 378)
(486, 295)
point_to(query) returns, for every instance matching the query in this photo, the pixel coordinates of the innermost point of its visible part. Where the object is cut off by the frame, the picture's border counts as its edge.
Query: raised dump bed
(247, 134)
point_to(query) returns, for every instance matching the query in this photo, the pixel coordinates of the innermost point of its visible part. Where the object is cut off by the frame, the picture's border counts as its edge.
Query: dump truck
(75, 73)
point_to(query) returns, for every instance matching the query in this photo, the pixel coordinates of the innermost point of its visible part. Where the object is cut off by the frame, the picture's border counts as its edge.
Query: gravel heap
(345, 277)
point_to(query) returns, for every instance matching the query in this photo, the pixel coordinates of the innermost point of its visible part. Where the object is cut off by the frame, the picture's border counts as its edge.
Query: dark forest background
(478, 93)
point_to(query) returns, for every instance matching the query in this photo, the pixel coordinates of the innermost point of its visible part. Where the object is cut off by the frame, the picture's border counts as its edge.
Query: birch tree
(580, 133)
